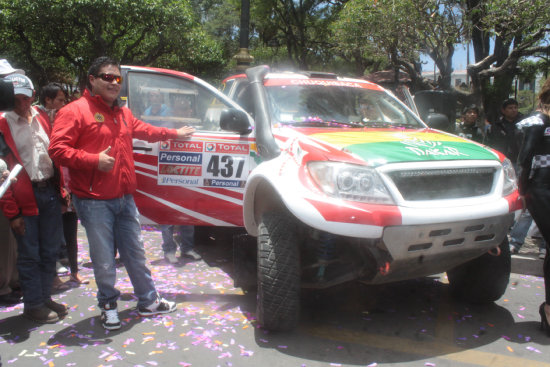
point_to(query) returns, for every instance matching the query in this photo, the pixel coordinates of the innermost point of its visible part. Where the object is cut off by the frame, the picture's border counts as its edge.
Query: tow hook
(495, 251)
(384, 269)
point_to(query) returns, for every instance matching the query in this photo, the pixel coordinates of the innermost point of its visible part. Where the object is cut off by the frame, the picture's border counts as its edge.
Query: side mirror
(235, 120)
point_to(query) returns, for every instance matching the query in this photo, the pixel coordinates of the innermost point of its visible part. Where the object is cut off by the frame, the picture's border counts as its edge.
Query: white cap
(6, 68)
(21, 84)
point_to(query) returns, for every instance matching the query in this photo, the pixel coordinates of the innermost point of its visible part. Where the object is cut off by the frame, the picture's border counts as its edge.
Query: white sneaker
(109, 317)
(171, 257)
(192, 254)
(60, 269)
(159, 306)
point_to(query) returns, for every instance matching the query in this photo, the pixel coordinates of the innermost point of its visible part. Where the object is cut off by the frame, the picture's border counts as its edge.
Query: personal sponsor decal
(204, 163)
(224, 183)
(547, 131)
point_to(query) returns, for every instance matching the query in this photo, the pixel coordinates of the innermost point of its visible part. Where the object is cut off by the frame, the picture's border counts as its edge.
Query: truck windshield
(336, 106)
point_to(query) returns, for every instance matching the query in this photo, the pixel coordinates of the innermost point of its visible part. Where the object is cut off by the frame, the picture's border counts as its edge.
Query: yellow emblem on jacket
(99, 117)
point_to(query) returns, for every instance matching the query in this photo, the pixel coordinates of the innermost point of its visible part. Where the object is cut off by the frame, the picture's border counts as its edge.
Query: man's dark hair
(471, 107)
(508, 102)
(50, 91)
(97, 64)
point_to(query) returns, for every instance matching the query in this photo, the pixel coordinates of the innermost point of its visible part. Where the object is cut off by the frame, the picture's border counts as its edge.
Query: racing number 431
(224, 166)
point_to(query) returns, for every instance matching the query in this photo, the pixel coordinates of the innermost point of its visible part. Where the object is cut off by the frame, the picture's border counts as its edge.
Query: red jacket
(19, 198)
(84, 128)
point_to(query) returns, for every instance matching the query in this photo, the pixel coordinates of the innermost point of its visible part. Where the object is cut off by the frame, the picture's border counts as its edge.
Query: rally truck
(331, 180)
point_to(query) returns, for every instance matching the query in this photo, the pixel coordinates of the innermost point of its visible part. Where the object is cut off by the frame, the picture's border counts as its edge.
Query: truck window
(168, 101)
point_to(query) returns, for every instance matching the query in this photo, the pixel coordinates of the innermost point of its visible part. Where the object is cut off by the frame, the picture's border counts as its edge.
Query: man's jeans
(37, 249)
(520, 229)
(185, 237)
(115, 221)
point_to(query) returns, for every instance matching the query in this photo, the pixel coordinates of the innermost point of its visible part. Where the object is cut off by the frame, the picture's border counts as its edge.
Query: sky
(459, 59)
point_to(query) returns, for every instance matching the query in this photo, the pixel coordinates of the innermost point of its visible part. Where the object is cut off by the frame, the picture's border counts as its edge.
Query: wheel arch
(260, 196)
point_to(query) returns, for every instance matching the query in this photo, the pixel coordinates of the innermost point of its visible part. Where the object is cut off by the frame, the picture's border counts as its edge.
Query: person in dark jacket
(502, 134)
(534, 181)
(468, 127)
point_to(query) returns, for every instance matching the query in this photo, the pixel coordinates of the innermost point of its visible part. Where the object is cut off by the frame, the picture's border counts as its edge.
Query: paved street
(413, 323)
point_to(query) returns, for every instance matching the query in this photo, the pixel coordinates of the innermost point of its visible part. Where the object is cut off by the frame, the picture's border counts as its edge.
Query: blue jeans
(520, 229)
(37, 249)
(107, 222)
(185, 237)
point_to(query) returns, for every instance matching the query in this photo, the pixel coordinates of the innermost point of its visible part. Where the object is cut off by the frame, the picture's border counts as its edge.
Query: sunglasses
(110, 77)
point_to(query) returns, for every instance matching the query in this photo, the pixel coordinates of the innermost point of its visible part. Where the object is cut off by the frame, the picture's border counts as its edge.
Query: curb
(527, 264)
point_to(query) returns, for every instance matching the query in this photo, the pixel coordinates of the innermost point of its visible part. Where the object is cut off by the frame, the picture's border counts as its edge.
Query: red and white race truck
(336, 178)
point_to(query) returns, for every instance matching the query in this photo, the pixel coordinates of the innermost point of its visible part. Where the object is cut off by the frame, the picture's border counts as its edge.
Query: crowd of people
(76, 159)
(78, 165)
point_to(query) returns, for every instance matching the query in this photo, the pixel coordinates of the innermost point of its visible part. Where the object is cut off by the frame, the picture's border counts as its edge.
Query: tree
(399, 31)
(57, 39)
(301, 27)
(516, 29)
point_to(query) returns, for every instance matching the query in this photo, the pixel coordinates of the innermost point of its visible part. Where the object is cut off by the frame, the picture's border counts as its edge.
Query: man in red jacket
(32, 204)
(92, 137)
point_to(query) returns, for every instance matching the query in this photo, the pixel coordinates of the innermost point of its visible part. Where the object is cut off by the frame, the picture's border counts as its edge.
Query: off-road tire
(278, 298)
(483, 279)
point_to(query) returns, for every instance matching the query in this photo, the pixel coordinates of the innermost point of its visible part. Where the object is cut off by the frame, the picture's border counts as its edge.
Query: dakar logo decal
(99, 117)
(430, 148)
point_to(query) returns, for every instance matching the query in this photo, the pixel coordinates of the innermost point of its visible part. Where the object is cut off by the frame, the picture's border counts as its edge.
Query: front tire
(483, 279)
(278, 299)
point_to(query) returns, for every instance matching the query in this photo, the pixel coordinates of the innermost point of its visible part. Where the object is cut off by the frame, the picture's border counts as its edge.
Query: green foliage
(526, 101)
(301, 28)
(57, 39)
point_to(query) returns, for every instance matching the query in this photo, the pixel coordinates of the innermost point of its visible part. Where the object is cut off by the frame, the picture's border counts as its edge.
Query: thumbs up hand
(106, 162)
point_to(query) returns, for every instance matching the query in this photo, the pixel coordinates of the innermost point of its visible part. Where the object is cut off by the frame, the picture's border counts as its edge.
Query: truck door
(197, 181)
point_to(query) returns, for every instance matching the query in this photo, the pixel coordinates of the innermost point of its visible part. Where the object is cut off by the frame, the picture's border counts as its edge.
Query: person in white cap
(32, 204)
(10, 292)
(7, 69)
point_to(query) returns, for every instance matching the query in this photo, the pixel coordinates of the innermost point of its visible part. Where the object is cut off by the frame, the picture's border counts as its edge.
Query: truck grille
(435, 184)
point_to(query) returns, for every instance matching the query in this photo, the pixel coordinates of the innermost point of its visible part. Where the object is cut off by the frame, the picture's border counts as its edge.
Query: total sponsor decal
(218, 164)
(227, 148)
(182, 146)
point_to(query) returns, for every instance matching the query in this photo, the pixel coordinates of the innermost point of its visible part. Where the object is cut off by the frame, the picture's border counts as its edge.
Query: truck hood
(381, 146)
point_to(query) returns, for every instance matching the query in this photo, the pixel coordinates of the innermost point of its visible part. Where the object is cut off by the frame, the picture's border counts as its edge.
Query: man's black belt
(44, 183)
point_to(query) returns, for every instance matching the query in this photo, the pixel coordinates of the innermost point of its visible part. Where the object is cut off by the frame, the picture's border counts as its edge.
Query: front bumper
(420, 250)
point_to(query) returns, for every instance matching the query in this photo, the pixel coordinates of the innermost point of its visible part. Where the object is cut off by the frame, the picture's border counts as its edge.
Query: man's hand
(106, 162)
(4, 176)
(185, 132)
(18, 226)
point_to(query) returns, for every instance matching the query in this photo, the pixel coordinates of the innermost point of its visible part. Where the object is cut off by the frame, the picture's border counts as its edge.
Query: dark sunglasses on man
(110, 77)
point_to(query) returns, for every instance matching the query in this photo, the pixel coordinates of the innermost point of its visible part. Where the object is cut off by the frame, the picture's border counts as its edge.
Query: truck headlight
(510, 181)
(350, 182)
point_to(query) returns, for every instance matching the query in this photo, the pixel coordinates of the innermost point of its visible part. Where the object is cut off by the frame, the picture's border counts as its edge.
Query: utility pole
(243, 57)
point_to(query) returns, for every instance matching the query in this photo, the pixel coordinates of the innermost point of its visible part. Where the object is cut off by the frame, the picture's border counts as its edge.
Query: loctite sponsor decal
(203, 163)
